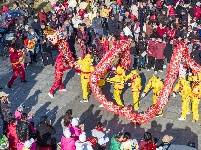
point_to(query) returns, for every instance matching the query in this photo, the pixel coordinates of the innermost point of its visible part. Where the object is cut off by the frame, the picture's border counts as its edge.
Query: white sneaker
(100, 105)
(181, 119)
(160, 70)
(51, 95)
(148, 70)
(152, 67)
(188, 113)
(63, 90)
(155, 72)
(84, 101)
(114, 68)
(164, 66)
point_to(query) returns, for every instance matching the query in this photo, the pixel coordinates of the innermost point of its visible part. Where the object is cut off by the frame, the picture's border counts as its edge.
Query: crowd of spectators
(155, 27)
(20, 133)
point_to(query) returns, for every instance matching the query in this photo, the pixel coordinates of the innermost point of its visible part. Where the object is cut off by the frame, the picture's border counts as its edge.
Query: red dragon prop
(163, 99)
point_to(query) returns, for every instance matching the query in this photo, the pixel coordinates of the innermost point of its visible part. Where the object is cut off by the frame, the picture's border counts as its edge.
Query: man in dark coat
(195, 54)
(5, 106)
(36, 25)
(120, 26)
(112, 25)
(23, 129)
(44, 131)
(46, 53)
(53, 22)
(97, 24)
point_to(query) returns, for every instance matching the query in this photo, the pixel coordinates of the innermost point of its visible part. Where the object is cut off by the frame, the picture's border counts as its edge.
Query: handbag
(144, 54)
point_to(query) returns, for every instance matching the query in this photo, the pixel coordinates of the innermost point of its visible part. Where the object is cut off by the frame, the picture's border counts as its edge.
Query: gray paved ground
(34, 95)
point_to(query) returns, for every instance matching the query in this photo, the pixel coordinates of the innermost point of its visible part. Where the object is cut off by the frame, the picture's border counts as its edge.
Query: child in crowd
(67, 141)
(100, 132)
(75, 129)
(116, 141)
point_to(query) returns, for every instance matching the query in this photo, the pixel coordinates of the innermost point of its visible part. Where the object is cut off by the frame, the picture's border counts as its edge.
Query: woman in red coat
(42, 16)
(12, 135)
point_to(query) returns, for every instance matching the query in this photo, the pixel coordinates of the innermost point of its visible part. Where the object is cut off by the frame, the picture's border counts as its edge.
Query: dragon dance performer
(156, 84)
(196, 95)
(185, 90)
(86, 69)
(60, 67)
(118, 81)
(15, 57)
(135, 86)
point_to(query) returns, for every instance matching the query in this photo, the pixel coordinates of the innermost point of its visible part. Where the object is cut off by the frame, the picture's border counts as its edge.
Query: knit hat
(75, 122)
(167, 139)
(82, 137)
(43, 118)
(3, 94)
(29, 143)
(86, 15)
(26, 27)
(103, 140)
(67, 133)
(20, 108)
(35, 17)
(198, 4)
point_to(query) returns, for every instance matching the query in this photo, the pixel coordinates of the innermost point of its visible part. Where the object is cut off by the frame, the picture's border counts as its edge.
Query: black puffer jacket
(23, 130)
(44, 132)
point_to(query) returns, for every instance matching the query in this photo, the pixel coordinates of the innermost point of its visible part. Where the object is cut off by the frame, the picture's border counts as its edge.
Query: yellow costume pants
(117, 94)
(154, 102)
(195, 104)
(136, 102)
(185, 107)
(85, 86)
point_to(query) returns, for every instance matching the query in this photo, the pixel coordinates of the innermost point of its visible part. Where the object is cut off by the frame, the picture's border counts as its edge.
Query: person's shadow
(180, 136)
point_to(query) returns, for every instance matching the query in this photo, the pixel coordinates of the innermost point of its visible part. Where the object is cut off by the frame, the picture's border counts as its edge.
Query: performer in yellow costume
(101, 82)
(135, 86)
(196, 95)
(86, 69)
(185, 90)
(156, 84)
(118, 81)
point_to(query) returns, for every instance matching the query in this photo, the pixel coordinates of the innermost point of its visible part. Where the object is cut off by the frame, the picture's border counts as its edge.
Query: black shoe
(143, 67)
(1, 87)
(9, 86)
(25, 81)
(139, 68)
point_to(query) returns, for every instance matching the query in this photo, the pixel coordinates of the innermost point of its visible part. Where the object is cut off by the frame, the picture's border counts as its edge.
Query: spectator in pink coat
(18, 113)
(67, 141)
(27, 145)
(75, 129)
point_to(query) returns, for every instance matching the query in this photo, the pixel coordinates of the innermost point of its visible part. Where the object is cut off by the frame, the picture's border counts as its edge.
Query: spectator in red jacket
(160, 46)
(197, 10)
(161, 29)
(151, 47)
(12, 135)
(171, 31)
(42, 16)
